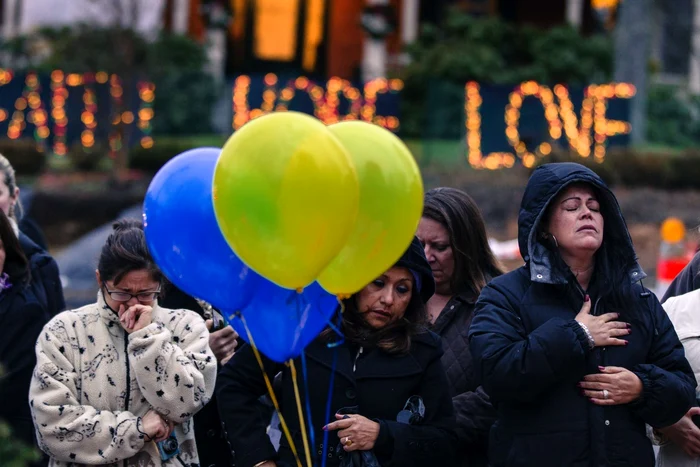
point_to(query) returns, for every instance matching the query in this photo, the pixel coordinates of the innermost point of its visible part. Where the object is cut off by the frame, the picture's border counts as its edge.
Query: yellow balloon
(391, 203)
(285, 196)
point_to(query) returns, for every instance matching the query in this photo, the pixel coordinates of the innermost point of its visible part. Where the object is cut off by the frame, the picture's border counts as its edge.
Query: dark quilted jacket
(474, 412)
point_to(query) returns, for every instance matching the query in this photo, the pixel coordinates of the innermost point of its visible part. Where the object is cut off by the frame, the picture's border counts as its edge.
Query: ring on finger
(347, 441)
(605, 393)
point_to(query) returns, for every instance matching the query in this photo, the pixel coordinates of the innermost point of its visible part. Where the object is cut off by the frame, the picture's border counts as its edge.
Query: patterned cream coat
(93, 382)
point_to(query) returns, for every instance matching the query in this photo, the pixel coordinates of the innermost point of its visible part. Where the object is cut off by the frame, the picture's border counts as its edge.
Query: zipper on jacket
(128, 378)
(357, 356)
(128, 371)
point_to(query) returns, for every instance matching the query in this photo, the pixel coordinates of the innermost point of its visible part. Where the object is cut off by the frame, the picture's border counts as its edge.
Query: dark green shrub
(184, 102)
(670, 118)
(492, 51)
(24, 155)
(86, 159)
(165, 148)
(632, 167)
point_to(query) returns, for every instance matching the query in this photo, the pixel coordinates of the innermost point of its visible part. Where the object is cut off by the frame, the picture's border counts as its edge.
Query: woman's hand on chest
(612, 386)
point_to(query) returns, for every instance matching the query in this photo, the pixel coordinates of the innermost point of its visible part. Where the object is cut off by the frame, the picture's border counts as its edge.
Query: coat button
(350, 394)
(539, 276)
(211, 433)
(607, 422)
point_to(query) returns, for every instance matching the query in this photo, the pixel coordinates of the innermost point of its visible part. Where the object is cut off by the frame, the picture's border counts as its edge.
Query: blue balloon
(283, 322)
(184, 237)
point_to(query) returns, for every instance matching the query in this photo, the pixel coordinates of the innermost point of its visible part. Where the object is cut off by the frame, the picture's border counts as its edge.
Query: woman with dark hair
(453, 235)
(575, 354)
(118, 381)
(21, 320)
(388, 362)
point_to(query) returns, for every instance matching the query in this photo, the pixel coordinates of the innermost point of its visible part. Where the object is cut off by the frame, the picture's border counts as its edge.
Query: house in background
(353, 39)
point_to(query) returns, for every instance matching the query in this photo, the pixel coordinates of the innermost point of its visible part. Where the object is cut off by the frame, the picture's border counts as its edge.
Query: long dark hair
(16, 263)
(126, 250)
(394, 339)
(475, 263)
(613, 264)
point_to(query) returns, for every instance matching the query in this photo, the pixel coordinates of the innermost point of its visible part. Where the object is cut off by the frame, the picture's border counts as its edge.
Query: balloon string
(271, 391)
(329, 400)
(300, 412)
(308, 398)
(305, 376)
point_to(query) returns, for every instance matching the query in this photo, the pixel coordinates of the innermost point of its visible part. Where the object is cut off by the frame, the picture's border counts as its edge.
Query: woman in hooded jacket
(390, 392)
(576, 355)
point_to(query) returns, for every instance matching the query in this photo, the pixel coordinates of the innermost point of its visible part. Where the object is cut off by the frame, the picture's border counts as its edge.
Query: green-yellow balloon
(285, 196)
(391, 204)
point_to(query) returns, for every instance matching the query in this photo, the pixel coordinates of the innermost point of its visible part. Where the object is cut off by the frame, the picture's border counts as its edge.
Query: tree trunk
(125, 104)
(632, 47)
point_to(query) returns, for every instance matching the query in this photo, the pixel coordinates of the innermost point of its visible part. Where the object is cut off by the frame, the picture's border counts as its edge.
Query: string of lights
(585, 134)
(326, 104)
(561, 120)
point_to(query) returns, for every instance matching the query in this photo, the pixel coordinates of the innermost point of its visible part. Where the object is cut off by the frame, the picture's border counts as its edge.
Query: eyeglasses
(143, 297)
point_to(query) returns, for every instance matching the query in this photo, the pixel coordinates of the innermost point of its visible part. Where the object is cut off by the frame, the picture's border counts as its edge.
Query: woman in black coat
(387, 357)
(575, 354)
(21, 319)
(453, 235)
(212, 449)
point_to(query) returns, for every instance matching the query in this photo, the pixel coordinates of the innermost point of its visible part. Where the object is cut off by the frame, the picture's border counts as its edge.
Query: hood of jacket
(546, 182)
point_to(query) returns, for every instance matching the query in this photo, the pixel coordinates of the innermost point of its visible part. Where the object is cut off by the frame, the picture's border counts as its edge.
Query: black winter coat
(686, 281)
(473, 410)
(46, 283)
(377, 383)
(530, 352)
(21, 319)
